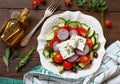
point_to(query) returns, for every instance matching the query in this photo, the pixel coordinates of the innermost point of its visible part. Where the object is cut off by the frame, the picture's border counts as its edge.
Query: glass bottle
(13, 30)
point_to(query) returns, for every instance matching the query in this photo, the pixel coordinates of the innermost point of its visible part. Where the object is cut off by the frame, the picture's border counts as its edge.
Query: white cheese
(65, 49)
(77, 42)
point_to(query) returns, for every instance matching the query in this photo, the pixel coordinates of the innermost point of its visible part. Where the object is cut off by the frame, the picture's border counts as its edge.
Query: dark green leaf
(25, 59)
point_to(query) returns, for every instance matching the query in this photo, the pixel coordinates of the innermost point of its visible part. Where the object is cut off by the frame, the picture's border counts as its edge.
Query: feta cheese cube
(65, 49)
(77, 42)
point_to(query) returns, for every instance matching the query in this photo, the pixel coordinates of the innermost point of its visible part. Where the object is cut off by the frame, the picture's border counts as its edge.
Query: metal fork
(48, 12)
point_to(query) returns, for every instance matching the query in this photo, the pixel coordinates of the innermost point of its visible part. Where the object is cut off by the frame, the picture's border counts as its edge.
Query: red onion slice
(73, 32)
(73, 58)
(84, 52)
(54, 46)
(63, 34)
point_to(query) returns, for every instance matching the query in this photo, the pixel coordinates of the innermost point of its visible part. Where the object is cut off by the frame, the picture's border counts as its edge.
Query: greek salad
(71, 46)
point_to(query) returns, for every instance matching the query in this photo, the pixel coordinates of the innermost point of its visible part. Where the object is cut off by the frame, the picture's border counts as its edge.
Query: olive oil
(13, 30)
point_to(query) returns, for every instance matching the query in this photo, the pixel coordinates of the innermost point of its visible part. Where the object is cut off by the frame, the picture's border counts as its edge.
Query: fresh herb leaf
(81, 2)
(25, 59)
(7, 52)
(6, 58)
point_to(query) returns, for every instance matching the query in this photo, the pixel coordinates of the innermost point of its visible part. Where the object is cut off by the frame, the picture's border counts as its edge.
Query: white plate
(83, 18)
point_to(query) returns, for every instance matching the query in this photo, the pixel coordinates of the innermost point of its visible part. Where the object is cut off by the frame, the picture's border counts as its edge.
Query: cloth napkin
(108, 73)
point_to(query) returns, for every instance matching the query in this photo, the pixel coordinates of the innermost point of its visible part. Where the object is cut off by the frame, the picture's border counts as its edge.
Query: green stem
(102, 19)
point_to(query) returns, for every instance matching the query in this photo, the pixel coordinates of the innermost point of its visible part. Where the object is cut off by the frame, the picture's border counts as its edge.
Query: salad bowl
(92, 22)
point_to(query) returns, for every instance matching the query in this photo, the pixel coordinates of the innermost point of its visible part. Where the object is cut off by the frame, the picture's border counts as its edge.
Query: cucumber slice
(93, 40)
(51, 59)
(62, 22)
(50, 37)
(92, 55)
(96, 37)
(78, 23)
(85, 26)
(72, 24)
(60, 69)
(91, 32)
(96, 46)
(81, 65)
(45, 53)
(55, 27)
(68, 21)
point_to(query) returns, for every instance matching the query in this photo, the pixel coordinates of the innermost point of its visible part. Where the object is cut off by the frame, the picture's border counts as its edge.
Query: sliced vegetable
(46, 53)
(82, 32)
(67, 65)
(62, 22)
(91, 32)
(54, 46)
(72, 24)
(73, 31)
(73, 58)
(63, 34)
(58, 58)
(85, 59)
(89, 42)
(52, 41)
(50, 37)
(84, 52)
(85, 26)
(96, 46)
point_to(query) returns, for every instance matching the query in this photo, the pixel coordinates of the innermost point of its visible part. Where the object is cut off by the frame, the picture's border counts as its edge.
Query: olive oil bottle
(13, 30)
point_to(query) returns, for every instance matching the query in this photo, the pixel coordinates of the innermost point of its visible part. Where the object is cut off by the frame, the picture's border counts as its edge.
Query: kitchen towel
(108, 73)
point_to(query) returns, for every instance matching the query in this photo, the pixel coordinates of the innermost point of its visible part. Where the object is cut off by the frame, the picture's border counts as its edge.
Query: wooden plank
(10, 4)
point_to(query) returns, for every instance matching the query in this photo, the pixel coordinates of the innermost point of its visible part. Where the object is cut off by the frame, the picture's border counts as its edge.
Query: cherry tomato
(108, 23)
(82, 32)
(35, 3)
(67, 65)
(85, 59)
(56, 32)
(89, 42)
(67, 27)
(42, 1)
(52, 41)
(58, 58)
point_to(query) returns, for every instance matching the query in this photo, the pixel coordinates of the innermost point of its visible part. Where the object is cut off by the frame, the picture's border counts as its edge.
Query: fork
(48, 12)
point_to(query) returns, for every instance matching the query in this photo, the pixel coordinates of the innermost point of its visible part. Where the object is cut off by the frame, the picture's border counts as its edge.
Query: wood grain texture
(7, 6)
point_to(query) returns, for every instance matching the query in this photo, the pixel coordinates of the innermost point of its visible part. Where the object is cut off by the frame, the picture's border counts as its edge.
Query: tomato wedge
(56, 32)
(67, 65)
(52, 41)
(82, 32)
(89, 42)
(67, 27)
(85, 59)
(58, 58)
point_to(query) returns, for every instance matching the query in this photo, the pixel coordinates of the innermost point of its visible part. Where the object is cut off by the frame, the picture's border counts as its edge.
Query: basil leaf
(5, 59)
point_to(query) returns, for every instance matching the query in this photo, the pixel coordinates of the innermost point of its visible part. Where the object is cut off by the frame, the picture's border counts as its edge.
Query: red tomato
(108, 23)
(85, 59)
(58, 58)
(52, 41)
(56, 32)
(82, 32)
(89, 42)
(35, 3)
(67, 27)
(67, 65)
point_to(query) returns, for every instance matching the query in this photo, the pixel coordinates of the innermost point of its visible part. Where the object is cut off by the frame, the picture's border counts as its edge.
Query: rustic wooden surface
(7, 6)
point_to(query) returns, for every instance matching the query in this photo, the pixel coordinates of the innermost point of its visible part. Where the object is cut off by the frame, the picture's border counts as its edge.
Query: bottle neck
(23, 16)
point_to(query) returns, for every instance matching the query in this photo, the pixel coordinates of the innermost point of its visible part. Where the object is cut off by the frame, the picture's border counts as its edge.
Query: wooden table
(7, 6)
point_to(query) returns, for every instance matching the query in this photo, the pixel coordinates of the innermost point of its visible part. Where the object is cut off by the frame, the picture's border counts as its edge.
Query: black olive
(95, 54)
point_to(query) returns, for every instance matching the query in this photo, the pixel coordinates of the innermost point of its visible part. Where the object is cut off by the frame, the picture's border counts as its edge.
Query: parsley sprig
(94, 5)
